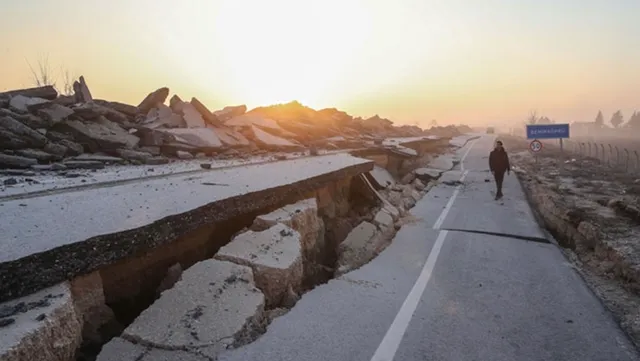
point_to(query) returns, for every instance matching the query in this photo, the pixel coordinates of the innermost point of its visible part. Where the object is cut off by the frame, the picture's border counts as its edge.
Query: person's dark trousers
(499, 177)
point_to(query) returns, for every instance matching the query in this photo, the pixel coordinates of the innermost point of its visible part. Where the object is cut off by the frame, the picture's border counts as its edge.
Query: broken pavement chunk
(54, 113)
(357, 249)
(14, 130)
(14, 161)
(206, 114)
(46, 92)
(271, 141)
(22, 103)
(213, 302)
(157, 97)
(81, 91)
(273, 254)
(229, 112)
(205, 139)
(28, 338)
(98, 135)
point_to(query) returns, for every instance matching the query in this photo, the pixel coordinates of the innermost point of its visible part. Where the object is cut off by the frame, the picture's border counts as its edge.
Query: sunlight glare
(284, 50)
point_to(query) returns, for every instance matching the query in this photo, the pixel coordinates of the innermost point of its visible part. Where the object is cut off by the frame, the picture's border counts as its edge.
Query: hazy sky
(408, 60)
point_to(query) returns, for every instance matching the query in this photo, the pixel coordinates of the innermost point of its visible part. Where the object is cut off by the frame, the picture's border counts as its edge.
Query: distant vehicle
(490, 130)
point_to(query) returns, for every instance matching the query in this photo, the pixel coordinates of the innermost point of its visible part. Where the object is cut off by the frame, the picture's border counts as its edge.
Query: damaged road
(449, 295)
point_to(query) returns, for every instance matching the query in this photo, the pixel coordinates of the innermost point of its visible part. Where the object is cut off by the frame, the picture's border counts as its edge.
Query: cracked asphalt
(448, 288)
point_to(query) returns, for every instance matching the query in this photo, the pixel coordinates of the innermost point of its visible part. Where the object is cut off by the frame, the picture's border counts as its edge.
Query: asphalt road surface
(471, 279)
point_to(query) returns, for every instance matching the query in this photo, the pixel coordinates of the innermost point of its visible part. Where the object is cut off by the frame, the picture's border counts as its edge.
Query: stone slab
(28, 326)
(381, 177)
(275, 255)
(42, 247)
(212, 304)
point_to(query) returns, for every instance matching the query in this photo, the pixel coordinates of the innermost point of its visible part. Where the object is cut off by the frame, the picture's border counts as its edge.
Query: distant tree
(634, 121)
(533, 117)
(600, 119)
(617, 119)
(545, 120)
(434, 123)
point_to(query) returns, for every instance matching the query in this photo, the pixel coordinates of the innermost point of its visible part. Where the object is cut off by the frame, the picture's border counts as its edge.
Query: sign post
(547, 131)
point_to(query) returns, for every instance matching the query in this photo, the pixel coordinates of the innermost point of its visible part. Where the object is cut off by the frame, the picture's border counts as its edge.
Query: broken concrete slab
(191, 115)
(38, 155)
(42, 326)
(301, 216)
(97, 157)
(275, 255)
(136, 155)
(205, 139)
(46, 92)
(14, 161)
(229, 112)
(271, 141)
(98, 135)
(56, 149)
(157, 97)
(83, 164)
(357, 249)
(81, 91)
(230, 137)
(418, 185)
(427, 174)
(383, 219)
(381, 178)
(16, 133)
(249, 120)
(163, 116)
(442, 162)
(213, 303)
(206, 114)
(54, 113)
(30, 120)
(92, 110)
(123, 108)
(34, 236)
(22, 103)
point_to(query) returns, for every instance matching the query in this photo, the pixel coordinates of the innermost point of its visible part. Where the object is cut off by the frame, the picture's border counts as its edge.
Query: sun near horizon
(410, 60)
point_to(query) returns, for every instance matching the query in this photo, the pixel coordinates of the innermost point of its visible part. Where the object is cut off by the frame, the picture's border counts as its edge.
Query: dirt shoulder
(593, 211)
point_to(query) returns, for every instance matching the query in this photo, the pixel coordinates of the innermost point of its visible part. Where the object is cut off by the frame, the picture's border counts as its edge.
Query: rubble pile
(42, 129)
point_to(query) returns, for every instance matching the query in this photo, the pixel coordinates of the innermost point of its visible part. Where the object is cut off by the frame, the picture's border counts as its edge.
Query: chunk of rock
(418, 185)
(357, 249)
(54, 113)
(163, 116)
(213, 303)
(392, 211)
(427, 174)
(52, 337)
(92, 110)
(229, 112)
(408, 178)
(206, 114)
(205, 139)
(154, 138)
(38, 155)
(30, 120)
(123, 108)
(191, 116)
(270, 141)
(14, 161)
(184, 155)
(55, 149)
(157, 97)
(98, 135)
(383, 219)
(81, 91)
(12, 131)
(381, 178)
(46, 92)
(302, 217)
(230, 137)
(275, 255)
(22, 103)
(73, 148)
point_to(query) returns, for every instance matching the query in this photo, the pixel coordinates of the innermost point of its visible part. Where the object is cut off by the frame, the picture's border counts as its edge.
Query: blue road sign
(547, 131)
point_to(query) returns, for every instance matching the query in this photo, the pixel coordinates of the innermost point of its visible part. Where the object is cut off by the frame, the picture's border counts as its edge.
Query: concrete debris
(34, 319)
(357, 249)
(381, 178)
(157, 97)
(213, 304)
(81, 91)
(275, 255)
(383, 219)
(41, 119)
(427, 174)
(174, 274)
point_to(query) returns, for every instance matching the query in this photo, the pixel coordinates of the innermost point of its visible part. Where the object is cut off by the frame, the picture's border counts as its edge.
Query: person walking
(499, 164)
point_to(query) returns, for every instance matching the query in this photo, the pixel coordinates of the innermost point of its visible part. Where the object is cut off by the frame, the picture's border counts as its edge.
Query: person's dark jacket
(499, 161)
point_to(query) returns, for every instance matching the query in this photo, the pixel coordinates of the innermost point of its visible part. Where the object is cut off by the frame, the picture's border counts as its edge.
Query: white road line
(391, 341)
(387, 349)
(473, 142)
